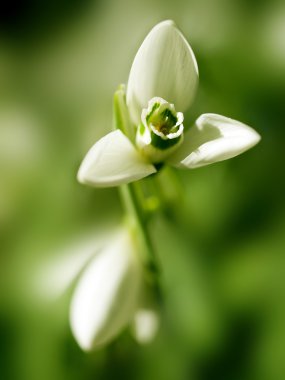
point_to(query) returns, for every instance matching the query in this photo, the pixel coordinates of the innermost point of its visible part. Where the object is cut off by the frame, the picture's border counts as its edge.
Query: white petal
(112, 161)
(164, 66)
(106, 296)
(213, 138)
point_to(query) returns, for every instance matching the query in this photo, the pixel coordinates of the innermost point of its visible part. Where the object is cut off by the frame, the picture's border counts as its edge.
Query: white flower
(107, 293)
(163, 79)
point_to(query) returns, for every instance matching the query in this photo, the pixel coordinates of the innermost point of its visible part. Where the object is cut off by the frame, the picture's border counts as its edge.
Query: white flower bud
(106, 296)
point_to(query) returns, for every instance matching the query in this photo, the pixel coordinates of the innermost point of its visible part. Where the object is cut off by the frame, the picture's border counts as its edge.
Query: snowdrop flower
(161, 86)
(106, 295)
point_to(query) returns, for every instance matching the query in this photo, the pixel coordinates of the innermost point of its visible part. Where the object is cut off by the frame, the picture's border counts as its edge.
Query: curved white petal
(106, 296)
(113, 161)
(213, 138)
(164, 66)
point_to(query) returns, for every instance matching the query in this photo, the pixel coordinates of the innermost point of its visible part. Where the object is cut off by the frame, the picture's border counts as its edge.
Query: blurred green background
(222, 253)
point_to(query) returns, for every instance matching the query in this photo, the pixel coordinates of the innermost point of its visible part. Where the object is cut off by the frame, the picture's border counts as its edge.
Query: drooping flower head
(107, 293)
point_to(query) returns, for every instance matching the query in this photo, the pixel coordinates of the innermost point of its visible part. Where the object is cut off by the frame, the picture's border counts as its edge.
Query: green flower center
(161, 119)
(164, 121)
(161, 130)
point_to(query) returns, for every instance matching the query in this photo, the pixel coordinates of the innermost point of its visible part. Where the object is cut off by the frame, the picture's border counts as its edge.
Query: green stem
(136, 217)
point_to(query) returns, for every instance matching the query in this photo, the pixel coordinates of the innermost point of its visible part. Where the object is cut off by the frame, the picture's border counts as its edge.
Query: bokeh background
(221, 246)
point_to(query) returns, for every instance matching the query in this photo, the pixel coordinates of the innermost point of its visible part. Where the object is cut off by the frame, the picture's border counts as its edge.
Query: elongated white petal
(213, 138)
(106, 296)
(164, 66)
(112, 161)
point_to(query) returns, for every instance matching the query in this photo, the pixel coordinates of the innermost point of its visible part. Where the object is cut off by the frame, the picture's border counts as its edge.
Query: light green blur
(220, 240)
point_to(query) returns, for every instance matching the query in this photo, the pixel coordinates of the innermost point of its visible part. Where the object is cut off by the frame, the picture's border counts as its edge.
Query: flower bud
(106, 296)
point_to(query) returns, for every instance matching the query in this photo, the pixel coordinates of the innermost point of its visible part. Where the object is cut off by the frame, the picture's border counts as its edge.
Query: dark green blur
(221, 241)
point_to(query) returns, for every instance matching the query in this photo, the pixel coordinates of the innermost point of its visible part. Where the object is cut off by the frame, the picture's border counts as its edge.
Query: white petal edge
(106, 296)
(113, 161)
(57, 275)
(164, 66)
(213, 138)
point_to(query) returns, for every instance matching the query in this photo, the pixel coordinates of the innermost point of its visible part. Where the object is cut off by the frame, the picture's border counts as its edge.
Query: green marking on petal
(154, 107)
(161, 130)
(159, 143)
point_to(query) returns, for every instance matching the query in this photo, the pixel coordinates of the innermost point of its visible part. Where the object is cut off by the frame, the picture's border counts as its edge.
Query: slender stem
(137, 218)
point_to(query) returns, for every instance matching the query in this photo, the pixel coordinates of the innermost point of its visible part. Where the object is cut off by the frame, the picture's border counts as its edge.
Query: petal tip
(80, 176)
(256, 137)
(168, 23)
